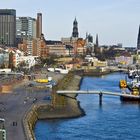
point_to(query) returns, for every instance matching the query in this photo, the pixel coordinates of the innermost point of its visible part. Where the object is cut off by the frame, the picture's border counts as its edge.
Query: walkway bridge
(100, 93)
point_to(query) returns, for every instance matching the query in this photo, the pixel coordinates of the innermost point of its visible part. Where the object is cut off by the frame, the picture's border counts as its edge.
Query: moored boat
(130, 99)
(133, 95)
(131, 89)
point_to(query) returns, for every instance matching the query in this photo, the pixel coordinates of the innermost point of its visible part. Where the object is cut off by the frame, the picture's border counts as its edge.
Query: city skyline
(114, 22)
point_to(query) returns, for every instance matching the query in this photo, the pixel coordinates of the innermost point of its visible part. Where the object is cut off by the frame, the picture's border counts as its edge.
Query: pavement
(13, 106)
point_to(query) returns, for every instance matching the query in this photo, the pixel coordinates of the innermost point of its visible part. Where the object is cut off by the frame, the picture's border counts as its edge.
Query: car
(34, 100)
(49, 85)
(53, 82)
(30, 85)
(47, 98)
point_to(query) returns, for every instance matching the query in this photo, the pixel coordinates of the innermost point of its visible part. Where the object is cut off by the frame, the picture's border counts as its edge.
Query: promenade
(13, 106)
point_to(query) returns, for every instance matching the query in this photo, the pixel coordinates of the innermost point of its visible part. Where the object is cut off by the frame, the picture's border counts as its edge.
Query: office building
(25, 27)
(7, 27)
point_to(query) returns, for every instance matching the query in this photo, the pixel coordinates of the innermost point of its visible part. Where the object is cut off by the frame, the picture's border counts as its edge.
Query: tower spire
(97, 42)
(138, 39)
(75, 33)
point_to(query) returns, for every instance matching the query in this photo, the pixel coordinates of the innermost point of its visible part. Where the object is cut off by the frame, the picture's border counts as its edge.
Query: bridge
(100, 93)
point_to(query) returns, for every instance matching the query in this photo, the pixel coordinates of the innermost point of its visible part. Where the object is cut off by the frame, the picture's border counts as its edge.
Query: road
(14, 105)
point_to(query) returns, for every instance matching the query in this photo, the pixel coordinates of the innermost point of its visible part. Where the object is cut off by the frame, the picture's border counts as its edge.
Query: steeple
(97, 43)
(75, 21)
(138, 40)
(75, 33)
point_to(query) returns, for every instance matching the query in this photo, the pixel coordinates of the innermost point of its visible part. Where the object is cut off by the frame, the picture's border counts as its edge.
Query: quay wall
(70, 109)
(28, 121)
(97, 72)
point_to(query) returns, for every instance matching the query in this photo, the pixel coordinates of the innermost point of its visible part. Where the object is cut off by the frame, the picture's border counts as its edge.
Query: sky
(115, 21)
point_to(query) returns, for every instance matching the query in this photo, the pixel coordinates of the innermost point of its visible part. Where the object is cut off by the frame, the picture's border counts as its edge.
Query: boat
(130, 99)
(132, 90)
(133, 72)
(133, 95)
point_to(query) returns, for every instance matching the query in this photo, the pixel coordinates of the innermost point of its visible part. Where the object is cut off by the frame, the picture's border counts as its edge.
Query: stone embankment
(98, 71)
(61, 106)
(29, 121)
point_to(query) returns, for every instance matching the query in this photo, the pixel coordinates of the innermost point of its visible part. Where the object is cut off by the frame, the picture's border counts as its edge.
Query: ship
(133, 95)
(132, 88)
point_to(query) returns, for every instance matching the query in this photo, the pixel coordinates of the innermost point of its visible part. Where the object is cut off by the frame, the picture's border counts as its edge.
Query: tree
(49, 61)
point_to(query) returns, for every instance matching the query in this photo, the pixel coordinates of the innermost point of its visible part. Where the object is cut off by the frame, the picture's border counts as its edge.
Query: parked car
(47, 98)
(50, 84)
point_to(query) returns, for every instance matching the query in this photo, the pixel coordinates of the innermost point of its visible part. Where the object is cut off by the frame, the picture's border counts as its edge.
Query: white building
(124, 60)
(29, 61)
(90, 59)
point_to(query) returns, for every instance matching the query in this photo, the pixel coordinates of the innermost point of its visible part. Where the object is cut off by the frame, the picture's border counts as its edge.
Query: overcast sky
(115, 21)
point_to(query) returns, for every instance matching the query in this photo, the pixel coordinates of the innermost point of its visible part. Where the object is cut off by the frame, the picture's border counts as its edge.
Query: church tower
(75, 33)
(138, 40)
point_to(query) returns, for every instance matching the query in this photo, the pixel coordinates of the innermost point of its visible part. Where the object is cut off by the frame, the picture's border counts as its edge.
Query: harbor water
(114, 120)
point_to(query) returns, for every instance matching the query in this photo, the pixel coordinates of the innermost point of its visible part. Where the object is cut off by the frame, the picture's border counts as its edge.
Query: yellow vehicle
(42, 80)
(123, 84)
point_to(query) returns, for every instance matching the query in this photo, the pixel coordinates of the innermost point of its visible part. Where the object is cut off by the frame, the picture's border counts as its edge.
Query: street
(14, 105)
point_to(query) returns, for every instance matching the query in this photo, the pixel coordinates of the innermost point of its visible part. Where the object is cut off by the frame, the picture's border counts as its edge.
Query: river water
(114, 120)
